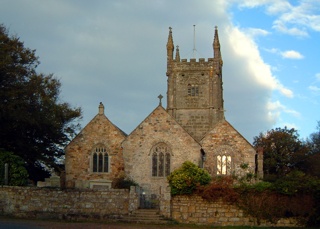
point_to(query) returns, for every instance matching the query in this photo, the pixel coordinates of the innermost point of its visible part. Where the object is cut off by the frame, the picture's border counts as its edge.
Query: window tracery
(161, 160)
(100, 160)
(223, 165)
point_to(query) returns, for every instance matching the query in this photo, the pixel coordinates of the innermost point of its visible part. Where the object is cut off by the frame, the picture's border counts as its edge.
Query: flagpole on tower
(194, 41)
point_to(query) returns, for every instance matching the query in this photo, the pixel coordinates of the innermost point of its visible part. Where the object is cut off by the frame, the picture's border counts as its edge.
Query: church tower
(194, 93)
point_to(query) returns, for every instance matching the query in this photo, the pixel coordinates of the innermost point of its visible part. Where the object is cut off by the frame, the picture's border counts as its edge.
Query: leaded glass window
(100, 160)
(223, 165)
(161, 159)
(154, 164)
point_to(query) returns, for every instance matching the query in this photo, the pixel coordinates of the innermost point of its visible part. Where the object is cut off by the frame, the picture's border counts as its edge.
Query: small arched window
(100, 160)
(161, 160)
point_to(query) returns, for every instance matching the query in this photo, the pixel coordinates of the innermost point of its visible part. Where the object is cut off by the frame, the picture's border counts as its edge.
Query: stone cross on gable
(160, 97)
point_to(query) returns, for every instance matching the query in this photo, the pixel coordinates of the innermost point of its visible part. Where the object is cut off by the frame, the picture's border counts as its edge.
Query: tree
(314, 140)
(35, 124)
(187, 178)
(17, 173)
(283, 151)
(313, 161)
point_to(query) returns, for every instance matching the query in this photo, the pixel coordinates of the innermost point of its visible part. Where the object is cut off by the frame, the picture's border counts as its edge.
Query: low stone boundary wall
(68, 204)
(195, 210)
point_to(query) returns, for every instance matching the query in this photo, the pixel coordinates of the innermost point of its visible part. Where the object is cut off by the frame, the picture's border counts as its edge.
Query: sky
(114, 52)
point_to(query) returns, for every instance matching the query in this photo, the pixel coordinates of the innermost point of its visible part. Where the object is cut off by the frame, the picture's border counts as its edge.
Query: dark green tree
(35, 124)
(283, 151)
(17, 173)
(313, 160)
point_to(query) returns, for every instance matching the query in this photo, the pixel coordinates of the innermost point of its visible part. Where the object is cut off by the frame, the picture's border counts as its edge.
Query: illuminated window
(223, 165)
(161, 158)
(100, 160)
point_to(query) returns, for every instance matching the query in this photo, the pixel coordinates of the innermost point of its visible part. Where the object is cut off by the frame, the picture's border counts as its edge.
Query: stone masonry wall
(158, 127)
(68, 204)
(195, 210)
(199, 111)
(78, 162)
(223, 138)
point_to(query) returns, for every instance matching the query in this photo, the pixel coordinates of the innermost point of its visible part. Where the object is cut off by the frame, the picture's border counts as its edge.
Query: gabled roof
(99, 118)
(228, 125)
(165, 120)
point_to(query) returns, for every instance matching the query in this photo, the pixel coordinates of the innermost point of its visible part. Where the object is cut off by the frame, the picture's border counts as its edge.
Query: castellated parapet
(195, 95)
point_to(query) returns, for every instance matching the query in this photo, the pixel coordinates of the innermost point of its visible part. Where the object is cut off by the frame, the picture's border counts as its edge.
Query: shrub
(219, 188)
(18, 175)
(123, 182)
(187, 178)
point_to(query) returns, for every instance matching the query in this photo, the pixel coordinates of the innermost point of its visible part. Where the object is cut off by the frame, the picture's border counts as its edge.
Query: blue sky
(114, 52)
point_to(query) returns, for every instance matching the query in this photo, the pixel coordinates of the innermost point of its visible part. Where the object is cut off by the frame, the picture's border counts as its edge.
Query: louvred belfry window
(193, 90)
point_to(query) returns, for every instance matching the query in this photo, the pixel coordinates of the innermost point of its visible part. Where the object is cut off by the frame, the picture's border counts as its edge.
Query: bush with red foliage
(219, 188)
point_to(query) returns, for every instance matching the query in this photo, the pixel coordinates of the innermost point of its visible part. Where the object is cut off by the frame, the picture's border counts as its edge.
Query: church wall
(158, 127)
(100, 131)
(195, 121)
(224, 138)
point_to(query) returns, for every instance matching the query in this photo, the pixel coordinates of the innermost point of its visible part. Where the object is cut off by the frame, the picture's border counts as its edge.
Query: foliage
(283, 152)
(17, 173)
(293, 182)
(313, 160)
(219, 188)
(187, 178)
(294, 195)
(35, 125)
(123, 182)
(272, 206)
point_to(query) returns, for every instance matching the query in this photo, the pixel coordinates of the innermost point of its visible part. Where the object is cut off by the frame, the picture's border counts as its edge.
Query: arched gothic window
(161, 159)
(223, 164)
(100, 160)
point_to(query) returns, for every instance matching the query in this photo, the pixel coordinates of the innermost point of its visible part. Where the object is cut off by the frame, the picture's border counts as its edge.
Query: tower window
(193, 90)
(100, 160)
(161, 159)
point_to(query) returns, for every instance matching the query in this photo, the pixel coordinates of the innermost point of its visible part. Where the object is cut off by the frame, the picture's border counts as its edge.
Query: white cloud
(260, 71)
(278, 6)
(276, 108)
(301, 17)
(254, 32)
(314, 89)
(318, 76)
(252, 3)
(291, 54)
(272, 50)
(294, 31)
(292, 19)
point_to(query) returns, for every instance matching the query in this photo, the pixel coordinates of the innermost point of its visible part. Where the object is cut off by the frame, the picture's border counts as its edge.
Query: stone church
(192, 127)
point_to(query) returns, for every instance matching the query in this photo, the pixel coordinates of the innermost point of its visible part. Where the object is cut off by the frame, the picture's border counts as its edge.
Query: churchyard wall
(114, 204)
(70, 204)
(195, 210)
